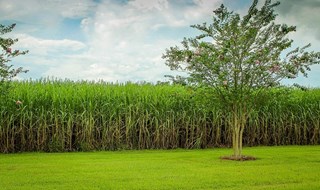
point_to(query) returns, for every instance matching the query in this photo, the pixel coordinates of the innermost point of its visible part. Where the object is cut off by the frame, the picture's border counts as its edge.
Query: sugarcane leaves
(238, 56)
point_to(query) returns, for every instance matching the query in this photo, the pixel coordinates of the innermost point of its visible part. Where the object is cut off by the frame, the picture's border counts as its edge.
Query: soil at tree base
(236, 158)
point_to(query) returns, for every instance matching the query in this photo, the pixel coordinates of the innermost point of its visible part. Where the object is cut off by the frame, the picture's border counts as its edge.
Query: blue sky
(123, 40)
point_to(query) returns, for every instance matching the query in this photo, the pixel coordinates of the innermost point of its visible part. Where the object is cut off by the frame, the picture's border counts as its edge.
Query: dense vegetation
(55, 116)
(239, 56)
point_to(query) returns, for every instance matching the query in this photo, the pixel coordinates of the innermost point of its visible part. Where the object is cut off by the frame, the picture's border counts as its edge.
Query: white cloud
(203, 8)
(44, 47)
(27, 9)
(303, 14)
(149, 5)
(119, 44)
(123, 41)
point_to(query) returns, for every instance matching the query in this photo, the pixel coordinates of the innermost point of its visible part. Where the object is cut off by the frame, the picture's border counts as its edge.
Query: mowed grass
(286, 167)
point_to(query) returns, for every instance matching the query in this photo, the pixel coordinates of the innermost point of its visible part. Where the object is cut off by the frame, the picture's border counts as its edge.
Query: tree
(239, 58)
(7, 72)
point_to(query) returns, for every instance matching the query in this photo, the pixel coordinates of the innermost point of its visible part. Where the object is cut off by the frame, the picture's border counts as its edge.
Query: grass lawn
(287, 167)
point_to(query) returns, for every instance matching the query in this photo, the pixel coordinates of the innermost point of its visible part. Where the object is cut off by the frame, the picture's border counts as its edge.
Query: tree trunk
(237, 122)
(237, 142)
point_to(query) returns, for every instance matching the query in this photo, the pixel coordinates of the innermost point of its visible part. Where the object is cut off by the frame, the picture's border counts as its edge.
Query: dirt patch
(241, 158)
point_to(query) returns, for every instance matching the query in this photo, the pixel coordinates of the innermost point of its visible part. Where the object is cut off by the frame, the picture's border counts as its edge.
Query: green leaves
(235, 47)
(240, 58)
(6, 29)
(7, 72)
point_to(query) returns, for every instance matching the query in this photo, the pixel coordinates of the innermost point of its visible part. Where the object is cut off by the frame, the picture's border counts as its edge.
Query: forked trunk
(237, 142)
(238, 123)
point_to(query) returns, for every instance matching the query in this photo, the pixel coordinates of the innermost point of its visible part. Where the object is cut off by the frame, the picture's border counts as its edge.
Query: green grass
(287, 167)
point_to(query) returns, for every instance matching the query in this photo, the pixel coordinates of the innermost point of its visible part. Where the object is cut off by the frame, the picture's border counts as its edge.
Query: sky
(124, 40)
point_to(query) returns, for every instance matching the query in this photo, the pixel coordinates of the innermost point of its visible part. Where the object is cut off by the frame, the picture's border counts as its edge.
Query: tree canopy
(239, 57)
(7, 72)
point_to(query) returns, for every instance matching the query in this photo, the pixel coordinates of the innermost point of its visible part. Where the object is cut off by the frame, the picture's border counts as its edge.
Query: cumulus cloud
(45, 55)
(149, 5)
(304, 14)
(44, 46)
(123, 40)
(20, 10)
